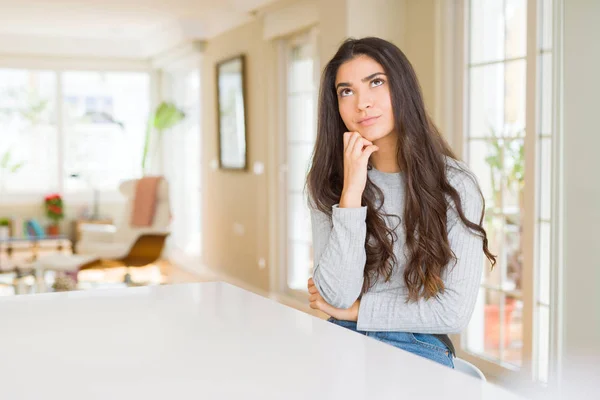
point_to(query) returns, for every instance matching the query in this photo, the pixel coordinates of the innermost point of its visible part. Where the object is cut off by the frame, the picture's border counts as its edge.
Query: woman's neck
(386, 158)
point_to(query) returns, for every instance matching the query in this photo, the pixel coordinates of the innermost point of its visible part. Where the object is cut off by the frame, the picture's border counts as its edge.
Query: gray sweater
(339, 259)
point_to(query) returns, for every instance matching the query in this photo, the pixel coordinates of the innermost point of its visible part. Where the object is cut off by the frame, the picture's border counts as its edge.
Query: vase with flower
(55, 212)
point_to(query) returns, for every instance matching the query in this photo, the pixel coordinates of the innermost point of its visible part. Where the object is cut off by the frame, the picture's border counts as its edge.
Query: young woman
(396, 218)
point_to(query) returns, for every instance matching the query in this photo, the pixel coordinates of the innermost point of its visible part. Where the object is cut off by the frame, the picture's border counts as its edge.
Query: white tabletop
(202, 341)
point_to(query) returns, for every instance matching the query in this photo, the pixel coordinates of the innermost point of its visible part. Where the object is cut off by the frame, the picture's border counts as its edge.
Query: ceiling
(134, 28)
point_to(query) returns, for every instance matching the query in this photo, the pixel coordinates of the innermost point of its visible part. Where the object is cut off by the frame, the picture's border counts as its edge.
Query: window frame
(284, 45)
(454, 102)
(59, 65)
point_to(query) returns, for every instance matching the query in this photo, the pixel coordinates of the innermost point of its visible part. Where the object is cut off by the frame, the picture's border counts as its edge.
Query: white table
(202, 341)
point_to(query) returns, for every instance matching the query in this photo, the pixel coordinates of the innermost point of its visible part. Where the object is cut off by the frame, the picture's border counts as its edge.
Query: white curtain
(181, 150)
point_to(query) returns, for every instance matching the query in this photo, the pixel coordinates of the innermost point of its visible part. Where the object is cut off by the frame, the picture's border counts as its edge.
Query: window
(105, 116)
(28, 131)
(506, 129)
(495, 151)
(70, 131)
(300, 97)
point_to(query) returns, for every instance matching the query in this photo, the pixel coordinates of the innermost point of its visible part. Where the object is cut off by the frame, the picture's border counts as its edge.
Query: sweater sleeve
(339, 254)
(451, 311)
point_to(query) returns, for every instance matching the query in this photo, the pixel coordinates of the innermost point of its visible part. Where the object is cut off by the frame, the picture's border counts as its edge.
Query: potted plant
(4, 228)
(54, 211)
(165, 117)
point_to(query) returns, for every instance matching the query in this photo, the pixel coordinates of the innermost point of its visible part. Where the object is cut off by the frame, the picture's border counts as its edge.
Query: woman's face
(364, 98)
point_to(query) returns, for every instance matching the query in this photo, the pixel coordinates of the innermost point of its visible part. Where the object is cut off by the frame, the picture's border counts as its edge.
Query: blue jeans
(421, 344)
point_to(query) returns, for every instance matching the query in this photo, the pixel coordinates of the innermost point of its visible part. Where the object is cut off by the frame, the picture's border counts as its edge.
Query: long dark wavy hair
(422, 153)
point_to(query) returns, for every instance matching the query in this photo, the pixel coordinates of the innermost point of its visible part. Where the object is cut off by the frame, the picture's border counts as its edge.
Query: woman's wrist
(351, 199)
(353, 311)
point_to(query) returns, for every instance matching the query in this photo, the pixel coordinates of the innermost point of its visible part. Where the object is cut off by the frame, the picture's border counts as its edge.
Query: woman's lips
(368, 121)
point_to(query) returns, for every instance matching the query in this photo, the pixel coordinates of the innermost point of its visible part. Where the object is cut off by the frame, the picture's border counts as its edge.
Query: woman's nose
(364, 103)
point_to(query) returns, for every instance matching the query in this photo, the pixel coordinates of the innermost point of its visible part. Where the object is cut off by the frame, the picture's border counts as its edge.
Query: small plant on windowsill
(54, 211)
(4, 228)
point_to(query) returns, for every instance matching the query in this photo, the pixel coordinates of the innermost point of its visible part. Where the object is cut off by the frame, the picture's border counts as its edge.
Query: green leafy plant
(36, 107)
(28, 104)
(166, 116)
(6, 163)
(4, 222)
(503, 153)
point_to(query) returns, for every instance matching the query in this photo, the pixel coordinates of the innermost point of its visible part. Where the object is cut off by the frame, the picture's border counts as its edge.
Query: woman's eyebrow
(367, 78)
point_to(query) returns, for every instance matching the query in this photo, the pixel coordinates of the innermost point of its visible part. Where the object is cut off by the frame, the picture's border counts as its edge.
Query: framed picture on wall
(231, 113)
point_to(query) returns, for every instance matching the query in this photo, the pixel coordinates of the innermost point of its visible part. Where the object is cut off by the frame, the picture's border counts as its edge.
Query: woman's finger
(329, 309)
(351, 142)
(318, 305)
(359, 145)
(368, 151)
(365, 142)
(346, 139)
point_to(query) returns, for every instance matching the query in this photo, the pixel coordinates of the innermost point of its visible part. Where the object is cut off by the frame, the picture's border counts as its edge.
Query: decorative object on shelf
(32, 229)
(166, 116)
(231, 114)
(55, 213)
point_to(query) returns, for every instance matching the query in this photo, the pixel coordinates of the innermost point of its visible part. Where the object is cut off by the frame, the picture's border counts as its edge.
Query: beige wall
(381, 18)
(419, 45)
(581, 208)
(237, 198)
(245, 200)
(331, 34)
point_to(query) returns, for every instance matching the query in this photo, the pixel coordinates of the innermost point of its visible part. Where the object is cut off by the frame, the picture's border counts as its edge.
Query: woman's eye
(377, 82)
(345, 92)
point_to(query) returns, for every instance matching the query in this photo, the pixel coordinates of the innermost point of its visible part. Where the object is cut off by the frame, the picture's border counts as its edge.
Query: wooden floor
(162, 272)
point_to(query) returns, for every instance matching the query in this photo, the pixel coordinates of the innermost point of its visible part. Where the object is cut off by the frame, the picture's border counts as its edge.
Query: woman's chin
(371, 134)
